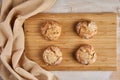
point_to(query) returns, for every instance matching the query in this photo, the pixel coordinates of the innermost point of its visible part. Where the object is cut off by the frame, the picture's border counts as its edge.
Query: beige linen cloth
(14, 65)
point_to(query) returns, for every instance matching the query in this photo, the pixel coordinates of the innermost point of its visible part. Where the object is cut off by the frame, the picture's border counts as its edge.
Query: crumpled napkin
(14, 65)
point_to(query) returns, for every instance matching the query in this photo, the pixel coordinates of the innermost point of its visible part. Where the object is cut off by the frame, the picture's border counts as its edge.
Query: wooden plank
(104, 42)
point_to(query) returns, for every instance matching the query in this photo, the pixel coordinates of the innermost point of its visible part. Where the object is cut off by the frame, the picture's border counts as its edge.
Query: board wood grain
(104, 42)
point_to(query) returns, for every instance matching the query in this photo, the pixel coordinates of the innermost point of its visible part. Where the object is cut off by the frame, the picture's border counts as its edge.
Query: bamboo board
(104, 42)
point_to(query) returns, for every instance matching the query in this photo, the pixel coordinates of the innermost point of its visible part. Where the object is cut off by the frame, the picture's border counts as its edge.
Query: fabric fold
(14, 64)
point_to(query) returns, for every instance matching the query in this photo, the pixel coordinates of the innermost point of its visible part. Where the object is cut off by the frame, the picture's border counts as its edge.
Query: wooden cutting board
(104, 42)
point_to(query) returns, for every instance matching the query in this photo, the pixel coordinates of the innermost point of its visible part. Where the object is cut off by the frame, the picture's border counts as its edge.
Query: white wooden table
(78, 6)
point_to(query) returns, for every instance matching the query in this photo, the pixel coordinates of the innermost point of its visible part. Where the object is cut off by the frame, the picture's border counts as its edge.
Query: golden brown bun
(51, 30)
(86, 54)
(86, 28)
(52, 55)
